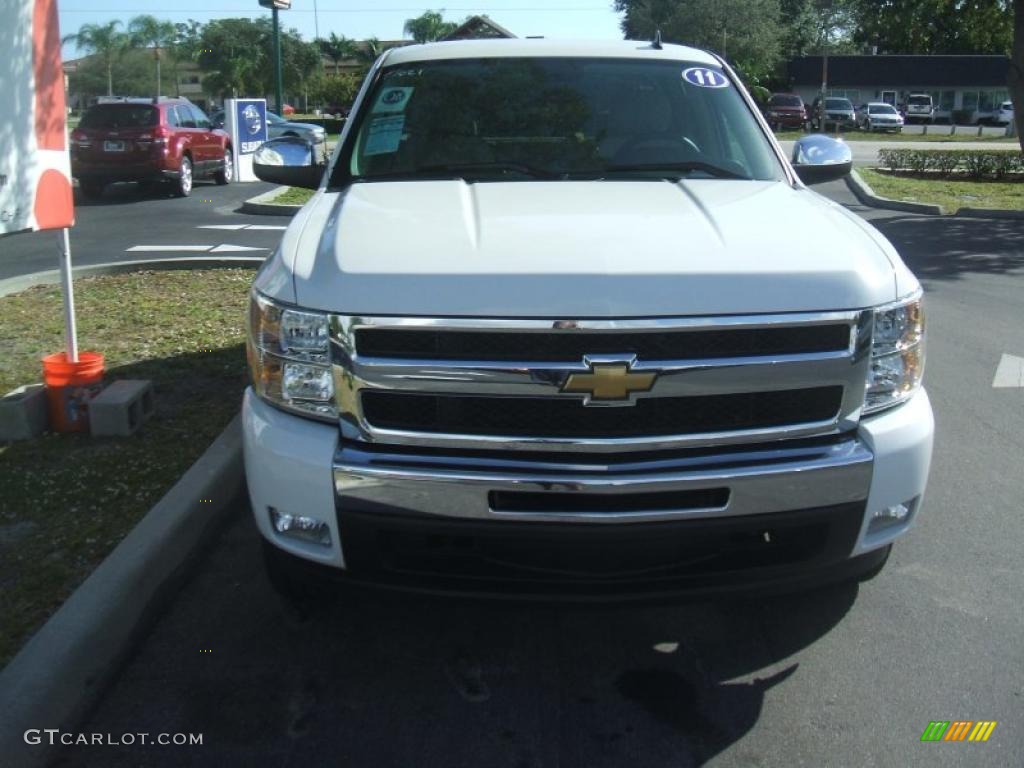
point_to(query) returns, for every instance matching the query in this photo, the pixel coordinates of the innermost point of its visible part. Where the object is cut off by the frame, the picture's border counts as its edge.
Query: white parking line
(222, 248)
(1010, 372)
(238, 227)
(235, 249)
(162, 248)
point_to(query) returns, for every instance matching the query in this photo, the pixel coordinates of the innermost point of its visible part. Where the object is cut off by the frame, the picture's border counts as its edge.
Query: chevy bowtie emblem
(609, 383)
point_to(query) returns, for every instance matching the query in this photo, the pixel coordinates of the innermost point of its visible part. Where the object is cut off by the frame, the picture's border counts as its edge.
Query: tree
(235, 55)
(814, 27)
(935, 26)
(428, 27)
(746, 31)
(185, 47)
(368, 52)
(105, 42)
(149, 32)
(338, 49)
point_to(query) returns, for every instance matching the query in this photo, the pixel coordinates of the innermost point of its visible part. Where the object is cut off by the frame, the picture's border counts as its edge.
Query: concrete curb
(66, 665)
(867, 196)
(50, 277)
(990, 213)
(261, 205)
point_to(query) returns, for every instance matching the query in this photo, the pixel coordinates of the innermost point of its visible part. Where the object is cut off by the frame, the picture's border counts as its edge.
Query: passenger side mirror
(290, 161)
(818, 159)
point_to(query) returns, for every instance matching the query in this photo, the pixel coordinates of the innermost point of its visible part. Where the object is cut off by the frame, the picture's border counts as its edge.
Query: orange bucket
(70, 387)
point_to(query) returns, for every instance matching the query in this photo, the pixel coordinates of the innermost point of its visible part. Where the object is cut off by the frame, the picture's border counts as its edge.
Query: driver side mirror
(818, 159)
(290, 161)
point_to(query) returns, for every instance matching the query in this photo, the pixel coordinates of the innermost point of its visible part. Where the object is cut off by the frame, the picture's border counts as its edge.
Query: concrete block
(23, 413)
(121, 408)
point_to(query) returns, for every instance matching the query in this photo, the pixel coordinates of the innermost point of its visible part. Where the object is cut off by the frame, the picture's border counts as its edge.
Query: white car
(879, 116)
(1004, 114)
(544, 328)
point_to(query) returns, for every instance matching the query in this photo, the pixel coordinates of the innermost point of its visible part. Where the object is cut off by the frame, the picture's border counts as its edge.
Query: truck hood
(580, 250)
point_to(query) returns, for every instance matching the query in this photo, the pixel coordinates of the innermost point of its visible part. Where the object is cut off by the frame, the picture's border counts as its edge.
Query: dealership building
(973, 86)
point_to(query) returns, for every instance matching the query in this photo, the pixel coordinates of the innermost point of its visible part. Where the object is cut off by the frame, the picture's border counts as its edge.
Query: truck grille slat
(569, 418)
(569, 346)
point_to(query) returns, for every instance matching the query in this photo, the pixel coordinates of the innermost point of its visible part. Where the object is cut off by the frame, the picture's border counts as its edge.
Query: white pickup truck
(563, 319)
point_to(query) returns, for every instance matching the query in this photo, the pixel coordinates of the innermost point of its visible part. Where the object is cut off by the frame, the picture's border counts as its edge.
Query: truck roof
(519, 47)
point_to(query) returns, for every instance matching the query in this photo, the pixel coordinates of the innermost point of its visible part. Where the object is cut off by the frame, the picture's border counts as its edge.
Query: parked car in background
(1004, 115)
(879, 116)
(166, 141)
(277, 127)
(786, 110)
(838, 112)
(920, 108)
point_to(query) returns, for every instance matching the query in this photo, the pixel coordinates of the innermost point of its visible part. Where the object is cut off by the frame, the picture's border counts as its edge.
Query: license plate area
(113, 146)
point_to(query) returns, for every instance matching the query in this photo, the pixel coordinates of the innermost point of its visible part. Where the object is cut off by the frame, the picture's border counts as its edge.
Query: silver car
(277, 127)
(879, 116)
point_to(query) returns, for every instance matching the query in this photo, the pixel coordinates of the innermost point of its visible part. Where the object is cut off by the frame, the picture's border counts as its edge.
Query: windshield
(881, 109)
(275, 119)
(119, 116)
(840, 104)
(514, 119)
(785, 101)
(920, 100)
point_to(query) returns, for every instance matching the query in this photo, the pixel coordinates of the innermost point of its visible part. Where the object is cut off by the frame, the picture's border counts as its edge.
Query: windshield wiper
(678, 168)
(457, 169)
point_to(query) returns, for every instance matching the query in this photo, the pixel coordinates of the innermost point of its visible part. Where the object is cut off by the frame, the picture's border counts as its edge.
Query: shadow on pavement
(127, 192)
(946, 247)
(384, 679)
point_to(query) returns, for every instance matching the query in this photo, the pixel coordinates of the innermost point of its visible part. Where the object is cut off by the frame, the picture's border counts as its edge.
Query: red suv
(785, 110)
(169, 140)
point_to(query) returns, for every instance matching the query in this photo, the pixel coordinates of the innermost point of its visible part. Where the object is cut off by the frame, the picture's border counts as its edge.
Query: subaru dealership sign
(246, 122)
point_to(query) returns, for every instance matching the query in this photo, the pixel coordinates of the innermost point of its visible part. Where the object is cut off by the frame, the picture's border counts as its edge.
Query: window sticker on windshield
(384, 136)
(393, 99)
(703, 77)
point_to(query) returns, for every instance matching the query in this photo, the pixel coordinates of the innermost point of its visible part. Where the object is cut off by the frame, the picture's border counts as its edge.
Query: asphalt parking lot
(839, 676)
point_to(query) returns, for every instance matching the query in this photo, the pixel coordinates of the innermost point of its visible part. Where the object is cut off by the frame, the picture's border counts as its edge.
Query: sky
(360, 19)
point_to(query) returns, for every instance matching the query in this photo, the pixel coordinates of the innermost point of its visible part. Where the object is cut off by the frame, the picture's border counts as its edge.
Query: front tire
(183, 184)
(227, 173)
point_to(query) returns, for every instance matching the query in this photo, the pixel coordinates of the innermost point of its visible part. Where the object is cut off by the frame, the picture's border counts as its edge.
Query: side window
(172, 118)
(200, 118)
(185, 119)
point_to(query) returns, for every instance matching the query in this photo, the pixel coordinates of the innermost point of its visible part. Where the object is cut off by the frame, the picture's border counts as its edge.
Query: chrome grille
(497, 384)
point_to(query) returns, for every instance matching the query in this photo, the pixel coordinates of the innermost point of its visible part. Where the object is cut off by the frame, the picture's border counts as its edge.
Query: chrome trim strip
(678, 378)
(759, 481)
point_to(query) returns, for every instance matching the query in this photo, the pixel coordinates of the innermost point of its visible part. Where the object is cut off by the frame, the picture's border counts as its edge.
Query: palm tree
(104, 41)
(338, 49)
(148, 31)
(428, 27)
(369, 50)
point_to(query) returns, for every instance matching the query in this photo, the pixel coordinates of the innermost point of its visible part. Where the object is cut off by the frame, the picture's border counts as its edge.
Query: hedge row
(974, 163)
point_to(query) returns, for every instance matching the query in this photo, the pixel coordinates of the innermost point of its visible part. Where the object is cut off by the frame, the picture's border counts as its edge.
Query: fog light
(890, 516)
(305, 528)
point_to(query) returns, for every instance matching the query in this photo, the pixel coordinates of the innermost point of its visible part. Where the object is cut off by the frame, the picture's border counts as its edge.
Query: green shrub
(972, 163)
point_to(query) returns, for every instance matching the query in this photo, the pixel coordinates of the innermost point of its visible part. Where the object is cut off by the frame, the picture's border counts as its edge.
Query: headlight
(897, 354)
(289, 358)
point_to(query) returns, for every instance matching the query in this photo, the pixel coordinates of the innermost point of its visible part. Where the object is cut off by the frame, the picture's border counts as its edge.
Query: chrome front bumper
(754, 481)
(302, 467)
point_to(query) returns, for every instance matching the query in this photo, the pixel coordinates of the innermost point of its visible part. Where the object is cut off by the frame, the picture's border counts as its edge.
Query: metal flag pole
(68, 294)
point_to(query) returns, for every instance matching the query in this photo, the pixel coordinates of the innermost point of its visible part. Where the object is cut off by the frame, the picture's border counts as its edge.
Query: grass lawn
(294, 196)
(67, 500)
(877, 136)
(951, 194)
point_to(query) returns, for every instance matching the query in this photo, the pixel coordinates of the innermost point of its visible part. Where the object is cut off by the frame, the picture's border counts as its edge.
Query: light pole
(275, 6)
